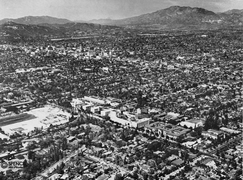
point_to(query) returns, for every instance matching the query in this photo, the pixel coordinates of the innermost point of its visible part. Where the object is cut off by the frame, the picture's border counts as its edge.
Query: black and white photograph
(121, 89)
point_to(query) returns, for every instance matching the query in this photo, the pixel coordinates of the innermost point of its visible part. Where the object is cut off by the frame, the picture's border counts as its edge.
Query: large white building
(95, 100)
(95, 106)
(192, 123)
(127, 119)
(172, 132)
(77, 104)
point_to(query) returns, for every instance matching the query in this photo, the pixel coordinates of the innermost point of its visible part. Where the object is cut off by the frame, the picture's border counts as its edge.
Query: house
(210, 163)
(71, 139)
(230, 131)
(171, 116)
(213, 134)
(228, 157)
(172, 158)
(192, 156)
(103, 177)
(206, 134)
(190, 144)
(219, 134)
(177, 162)
(64, 177)
(54, 176)
(39, 178)
(159, 116)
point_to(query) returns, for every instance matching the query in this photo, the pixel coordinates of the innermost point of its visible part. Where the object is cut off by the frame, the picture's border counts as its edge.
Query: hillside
(102, 21)
(37, 20)
(12, 31)
(181, 18)
(172, 18)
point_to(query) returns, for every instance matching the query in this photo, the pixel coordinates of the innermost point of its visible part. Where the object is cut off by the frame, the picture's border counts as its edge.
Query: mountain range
(172, 18)
(36, 20)
(180, 18)
(11, 31)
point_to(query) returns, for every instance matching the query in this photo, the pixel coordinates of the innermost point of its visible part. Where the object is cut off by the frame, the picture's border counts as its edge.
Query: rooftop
(169, 128)
(177, 162)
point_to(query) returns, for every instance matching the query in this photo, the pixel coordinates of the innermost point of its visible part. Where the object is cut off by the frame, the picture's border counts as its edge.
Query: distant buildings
(97, 106)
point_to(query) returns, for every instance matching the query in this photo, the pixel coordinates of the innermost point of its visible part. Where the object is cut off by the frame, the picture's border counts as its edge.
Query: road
(58, 163)
(19, 153)
(226, 144)
(73, 154)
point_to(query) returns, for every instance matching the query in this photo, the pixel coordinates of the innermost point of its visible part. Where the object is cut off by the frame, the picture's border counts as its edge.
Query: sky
(101, 9)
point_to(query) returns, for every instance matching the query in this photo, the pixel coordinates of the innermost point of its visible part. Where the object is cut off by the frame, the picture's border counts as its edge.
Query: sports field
(35, 118)
(15, 119)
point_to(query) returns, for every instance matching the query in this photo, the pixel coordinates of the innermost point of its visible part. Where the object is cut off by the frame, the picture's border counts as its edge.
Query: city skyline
(102, 9)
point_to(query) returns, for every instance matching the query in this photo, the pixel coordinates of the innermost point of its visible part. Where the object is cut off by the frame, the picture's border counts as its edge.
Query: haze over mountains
(172, 18)
(11, 31)
(36, 20)
(181, 18)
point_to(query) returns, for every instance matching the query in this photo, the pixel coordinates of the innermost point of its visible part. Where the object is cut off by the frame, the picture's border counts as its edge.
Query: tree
(2, 176)
(31, 155)
(152, 163)
(154, 145)
(144, 174)
(59, 169)
(198, 131)
(25, 164)
(148, 154)
(212, 121)
(64, 143)
(139, 99)
(188, 168)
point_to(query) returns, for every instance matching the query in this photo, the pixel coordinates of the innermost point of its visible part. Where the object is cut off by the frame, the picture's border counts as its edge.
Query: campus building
(169, 131)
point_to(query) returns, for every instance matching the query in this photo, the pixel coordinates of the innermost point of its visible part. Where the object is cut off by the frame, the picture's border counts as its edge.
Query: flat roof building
(128, 119)
(172, 132)
(192, 123)
(93, 99)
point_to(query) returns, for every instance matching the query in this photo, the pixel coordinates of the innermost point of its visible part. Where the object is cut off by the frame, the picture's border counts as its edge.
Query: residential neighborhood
(121, 103)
